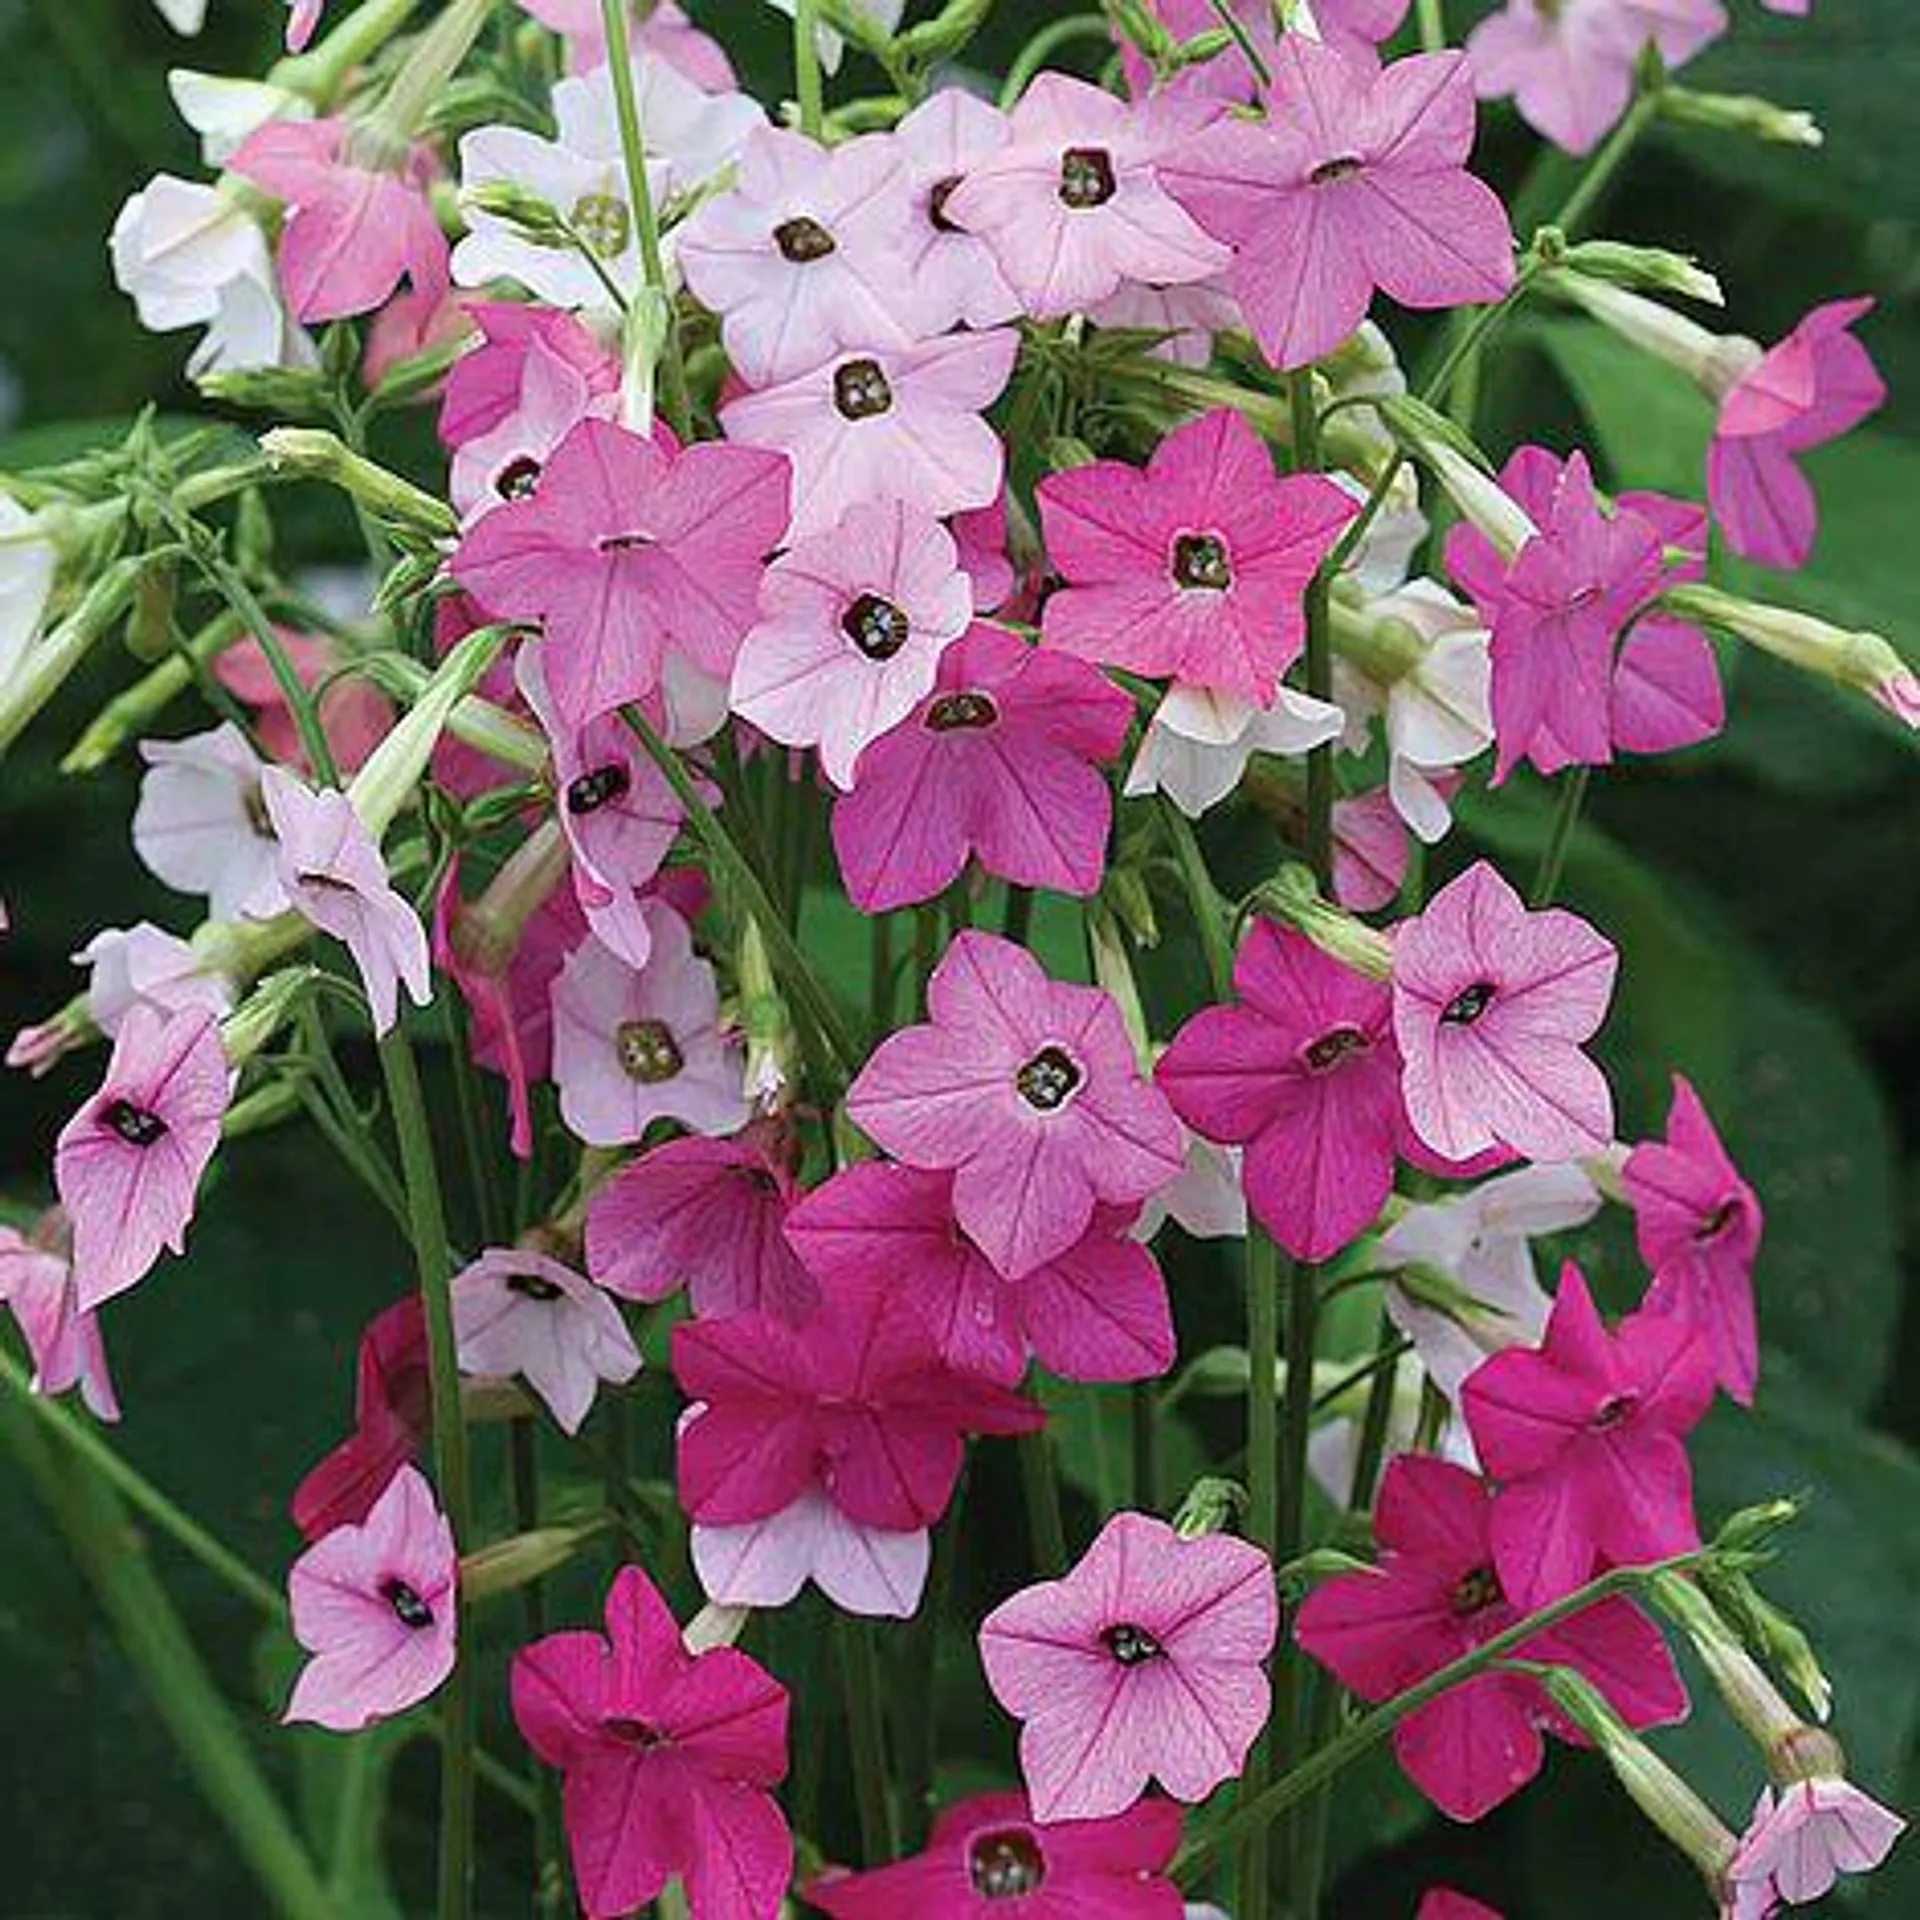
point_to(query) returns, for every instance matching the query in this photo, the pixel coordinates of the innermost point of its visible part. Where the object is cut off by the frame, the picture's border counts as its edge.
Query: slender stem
(1306, 459)
(1046, 1525)
(1019, 917)
(1146, 1446)
(1608, 161)
(1228, 18)
(1045, 44)
(428, 1226)
(807, 88)
(489, 1202)
(880, 977)
(549, 1877)
(1374, 1424)
(867, 1733)
(1553, 857)
(1209, 910)
(919, 1721)
(1263, 1517)
(1433, 26)
(1300, 1290)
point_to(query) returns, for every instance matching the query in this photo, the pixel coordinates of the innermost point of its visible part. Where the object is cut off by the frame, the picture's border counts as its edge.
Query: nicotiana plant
(888, 547)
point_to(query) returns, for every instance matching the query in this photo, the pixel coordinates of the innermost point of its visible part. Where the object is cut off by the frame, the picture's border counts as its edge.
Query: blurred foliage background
(1761, 890)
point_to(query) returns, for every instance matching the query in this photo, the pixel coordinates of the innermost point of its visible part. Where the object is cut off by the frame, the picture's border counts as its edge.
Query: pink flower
(392, 1416)
(1442, 1903)
(128, 1163)
(669, 1757)
(634, 1046)
(666, 31)
(709, 1215)
(303, 16)
(1029, 1091)
(1801, 1841)
(505, 462)
(886, 424)
(1801, 8)
(1817, 384)
(1570, 63)
(353, 233)
(987, 1856)
(953, 274)
(334, 877)
(852, 626)
(374, 1605)
(997, 764)
(1369, 850)
(1436, 1596)
(629, 549)
(141, 966)
(1193, 569)
(802, 259)
(354, 714)
(201, 826)
(519, 1312)
(1145, 1661)
(1357, 180)
(1698, 1227)
(1490, 1006)
(1353, 25)
(485, 385)
(1584, 1437)
(36, 1286)
(1073, 204)
(1096, 1312)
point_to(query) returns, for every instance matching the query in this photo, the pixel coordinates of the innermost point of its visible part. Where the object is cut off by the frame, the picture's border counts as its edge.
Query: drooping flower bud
(1746, 113)
(1293, 896)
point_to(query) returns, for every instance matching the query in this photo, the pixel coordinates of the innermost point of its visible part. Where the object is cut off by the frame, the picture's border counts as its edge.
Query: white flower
(223, 110)
(143, 966)
(201, 824)
(28, 562)
(1206, 1200)
(885, 14)
(1198, 742)
(183, 16)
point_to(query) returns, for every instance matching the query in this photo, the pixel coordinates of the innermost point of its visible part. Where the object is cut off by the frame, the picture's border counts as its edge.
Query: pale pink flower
(37, 1287)
(665, 31)
(303, 16)
(953, 275)
(201, 826)
(505, 462)
(1353, 25)
(142, 966)
(1370, 852)
(1191, 315)
(1801, 1840)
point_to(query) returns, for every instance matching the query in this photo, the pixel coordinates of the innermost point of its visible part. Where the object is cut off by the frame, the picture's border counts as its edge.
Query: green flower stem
(1609, 160)
(1319, 651)
(427, 1219)
(1046, 1525)
(1566, 818)
(807, 89)
(1044, 45)
(1385, 1369)
(1433, 26)
(1229, 19)
(320, 72)
(867, 1734)
(1263, 1520)
(1209, 910)
(549, 1862)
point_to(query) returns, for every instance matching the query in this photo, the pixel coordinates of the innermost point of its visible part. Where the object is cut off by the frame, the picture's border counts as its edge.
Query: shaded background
(1761, 890)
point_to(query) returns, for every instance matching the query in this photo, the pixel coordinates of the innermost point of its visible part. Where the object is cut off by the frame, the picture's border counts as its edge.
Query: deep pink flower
(1442, 1903)
(709, 1215)
(852, 626)
(1585, 1439)
(1491, 1004)
(668, 1756)
(988, 1857)
(1570, 67)
(1194, 569)
(996, 764)
(1353, 25)
(505, 462)
(1698, 1226)
(352, 233)
(1817, 384)
(1028, 1090)
(1073, 204)
(484, 387)
(953, 275)
(1801, 1841)
(37, 1288)
(374, 1605)
(1096, 1312)
(628, 549)
(886, 424)
(354, 714)
(1356, 180)
(1144, 1662)
(128, 1163)
(1436, 1596)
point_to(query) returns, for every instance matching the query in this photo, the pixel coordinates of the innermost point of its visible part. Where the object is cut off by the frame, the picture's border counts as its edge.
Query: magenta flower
(37, 1288)
(802, 258)
(852, 626)
(1073, 203)
(1305, 1075)
(1698, 1227)
(1491, 1004)
(128, 1163)
(634, 1046)
(953, 274)
(1095, 1312)
(669, 1757)
(517, 1312)
(709, 1215)
(1570, 69)
(1443, 1903)
(1028, 1090)
(886, 424)
(1584, 1438)
(374, 1605)
(997, 764)
(1800, 1841)
(629, 549)
(1436, 1596)
(1195, 568)
(1145, 1661)
(1817, 384)
(1357, 180)
(505, 463)
(335, 878)
(352, 233)
(987, 1857)
(485, 385)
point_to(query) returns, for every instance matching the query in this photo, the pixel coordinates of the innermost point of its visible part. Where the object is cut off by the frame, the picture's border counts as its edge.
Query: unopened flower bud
(943, 37)
(533, 219)
(1751, 1697)
(1637, 269)
(1204, 46)
(715, 1626)
(45, 664)
(252, 1025)
(773, 1046)
(1143, 27)
(1452, 458)
(1712, 361)
(36, 1050)
(1113, 970)
(1212, 1505)
(396, 503)
(273, 1105)
(505, 1566)
(299, 392)
(1741, 113)
(1292, 895)
(1382, 646)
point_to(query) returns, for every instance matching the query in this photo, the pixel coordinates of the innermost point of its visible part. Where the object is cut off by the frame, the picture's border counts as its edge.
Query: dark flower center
(597, 789)
(1132, 1646)
(803, 240)
(1468, 1005)
(534, 1286)
(860, 390)
(1003, 1866)
(1200, 560)
(518, 479)
(876, 626)
(1613, 1412)
(943, 191)
(135, 1125)
(1047, 1081)
(623, 542)
(1718, 1221)
(958, 712)
(1086, 177)
(408, 1608)
(1328, 171)
(648, 1051)
(1333, 1046)
(1475, 1592)
(603, 223)
(633, 1733)
(253, 803)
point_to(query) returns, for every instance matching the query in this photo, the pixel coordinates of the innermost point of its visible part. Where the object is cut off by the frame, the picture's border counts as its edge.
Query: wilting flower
(1801, 1840)
(1145, 1661)
(37, 1288)
(201, 825)
(954, 278)
(374, 1605)
(668, 1759)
